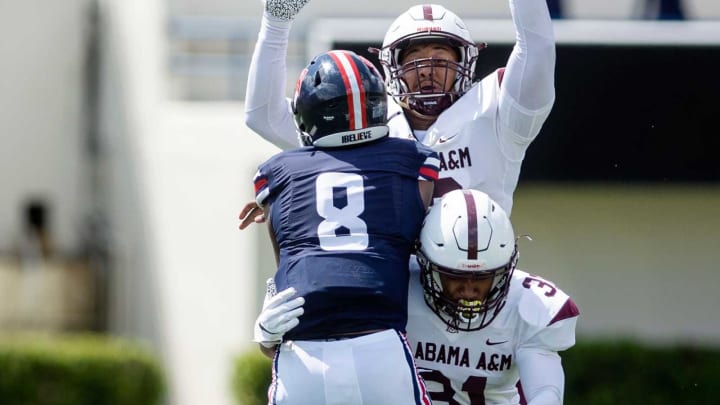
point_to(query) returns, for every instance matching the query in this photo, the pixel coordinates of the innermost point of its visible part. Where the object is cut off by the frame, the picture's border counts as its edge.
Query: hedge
(596, 373)
(251, 378)
(626, 372)
(80, 369)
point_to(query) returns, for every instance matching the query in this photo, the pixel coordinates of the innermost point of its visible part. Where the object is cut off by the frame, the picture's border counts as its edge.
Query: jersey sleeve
(262, 189)
(267, 109)
(267, 180)
(430, 169)
(548, 317)
(556, 337)
(527, 91)
(549, 314)
(542, 376)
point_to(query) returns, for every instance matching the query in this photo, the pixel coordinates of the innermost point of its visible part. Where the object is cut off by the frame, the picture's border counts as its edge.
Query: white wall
(611, 9)
(41, 121)
(641, 261)
(185, 279)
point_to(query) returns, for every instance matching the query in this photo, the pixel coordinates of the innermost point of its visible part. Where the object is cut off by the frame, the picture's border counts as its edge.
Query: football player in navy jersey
(476, 324)
(343, 214)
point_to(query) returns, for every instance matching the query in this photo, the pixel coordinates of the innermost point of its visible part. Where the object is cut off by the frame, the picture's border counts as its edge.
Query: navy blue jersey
(345, 221)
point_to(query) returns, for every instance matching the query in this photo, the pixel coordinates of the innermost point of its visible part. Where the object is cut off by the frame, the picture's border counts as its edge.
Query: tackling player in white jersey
(477, 325)
(480, 129)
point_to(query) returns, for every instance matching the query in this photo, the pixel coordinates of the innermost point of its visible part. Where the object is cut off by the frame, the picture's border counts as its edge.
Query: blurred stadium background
(124, 161)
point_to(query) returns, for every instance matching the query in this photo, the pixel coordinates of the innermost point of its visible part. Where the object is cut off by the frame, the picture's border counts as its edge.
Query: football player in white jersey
(480, 129)
(493, 325)
(476, 324)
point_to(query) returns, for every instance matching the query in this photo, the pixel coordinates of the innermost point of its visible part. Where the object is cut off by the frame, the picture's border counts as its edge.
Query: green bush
(77, 370)
(251, 378)
(624, 372)
(596, 373)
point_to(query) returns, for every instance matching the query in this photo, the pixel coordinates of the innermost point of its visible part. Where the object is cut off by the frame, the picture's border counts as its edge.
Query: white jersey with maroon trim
(480, 367)
(477, 149)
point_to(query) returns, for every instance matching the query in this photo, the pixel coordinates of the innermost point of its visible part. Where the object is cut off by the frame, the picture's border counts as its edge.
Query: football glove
(284, 10)
(279, 314)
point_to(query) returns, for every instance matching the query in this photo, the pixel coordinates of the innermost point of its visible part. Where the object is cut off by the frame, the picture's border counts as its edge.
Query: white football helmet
(429, 23)
(467, 234)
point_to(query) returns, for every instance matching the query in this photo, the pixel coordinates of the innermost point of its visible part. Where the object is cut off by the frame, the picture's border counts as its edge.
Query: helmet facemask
(465, 315)
(428, 24)
(428, 100)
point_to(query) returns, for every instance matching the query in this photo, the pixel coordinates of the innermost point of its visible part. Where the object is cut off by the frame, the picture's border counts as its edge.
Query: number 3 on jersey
(340, 200)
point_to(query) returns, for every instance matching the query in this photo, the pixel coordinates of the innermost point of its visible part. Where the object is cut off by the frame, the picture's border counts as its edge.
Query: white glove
(279, 315)
(284, 10)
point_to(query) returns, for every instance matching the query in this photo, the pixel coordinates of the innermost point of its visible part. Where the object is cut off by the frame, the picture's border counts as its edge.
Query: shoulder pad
(540, 302)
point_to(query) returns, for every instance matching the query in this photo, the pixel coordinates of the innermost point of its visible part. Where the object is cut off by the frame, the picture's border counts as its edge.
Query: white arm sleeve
(267, 109)
(541, 376)
(527, 91)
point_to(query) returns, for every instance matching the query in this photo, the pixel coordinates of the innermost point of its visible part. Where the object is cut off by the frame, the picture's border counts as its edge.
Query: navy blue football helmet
(340, 100)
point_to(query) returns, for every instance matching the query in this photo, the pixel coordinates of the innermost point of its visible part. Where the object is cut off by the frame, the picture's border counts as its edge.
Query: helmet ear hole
(318, 79)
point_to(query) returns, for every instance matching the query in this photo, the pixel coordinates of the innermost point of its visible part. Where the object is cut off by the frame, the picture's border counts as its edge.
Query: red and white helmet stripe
(354, 86)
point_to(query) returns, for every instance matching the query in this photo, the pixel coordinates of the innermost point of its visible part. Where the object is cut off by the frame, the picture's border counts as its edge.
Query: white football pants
(374, 369)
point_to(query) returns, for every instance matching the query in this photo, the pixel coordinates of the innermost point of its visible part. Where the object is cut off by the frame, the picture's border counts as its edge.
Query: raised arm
(267, 108)
(527, 91)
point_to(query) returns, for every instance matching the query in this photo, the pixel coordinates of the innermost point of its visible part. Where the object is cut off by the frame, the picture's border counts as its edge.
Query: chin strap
(424, 119)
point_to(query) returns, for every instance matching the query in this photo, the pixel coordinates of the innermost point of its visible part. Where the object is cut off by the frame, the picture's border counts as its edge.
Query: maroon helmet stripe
(427, 12)
(472, 225)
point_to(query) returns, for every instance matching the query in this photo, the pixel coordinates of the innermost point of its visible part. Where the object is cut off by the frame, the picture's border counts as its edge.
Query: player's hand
(284, 10)
(279, 314)
(251, 213)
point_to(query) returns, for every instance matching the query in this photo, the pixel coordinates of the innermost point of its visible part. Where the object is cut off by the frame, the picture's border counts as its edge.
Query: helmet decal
(354, 88)
(427, 12)
(472, 225)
